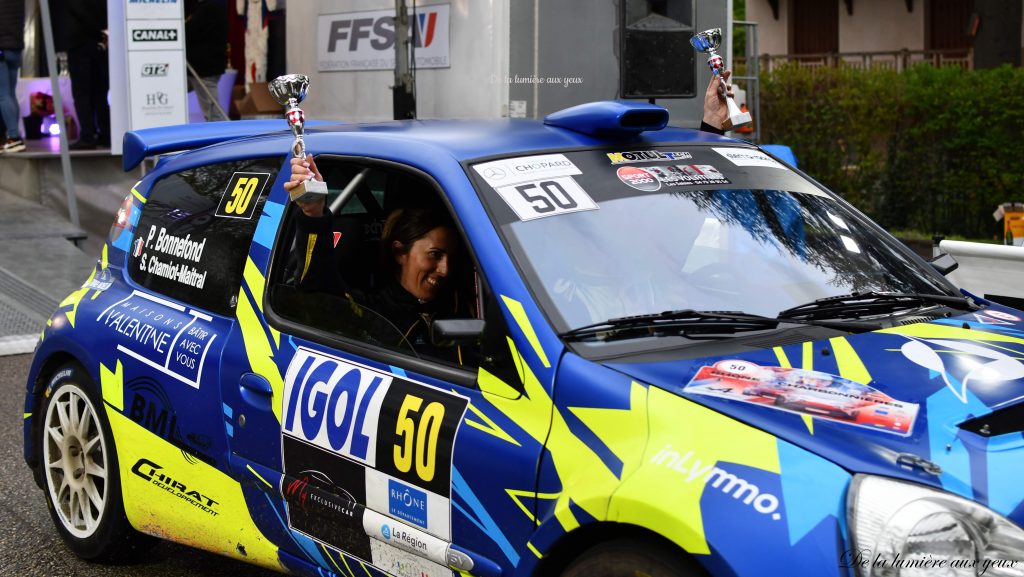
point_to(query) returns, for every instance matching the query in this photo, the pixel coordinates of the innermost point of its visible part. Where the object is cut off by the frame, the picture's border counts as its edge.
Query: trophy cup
(708, 42)
(289, 90)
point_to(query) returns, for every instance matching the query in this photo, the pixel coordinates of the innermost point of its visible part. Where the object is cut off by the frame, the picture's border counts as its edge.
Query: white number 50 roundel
(551, 196)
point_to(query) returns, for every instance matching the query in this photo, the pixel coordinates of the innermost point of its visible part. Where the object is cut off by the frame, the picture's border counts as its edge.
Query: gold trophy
(289, 90)
(708, 42)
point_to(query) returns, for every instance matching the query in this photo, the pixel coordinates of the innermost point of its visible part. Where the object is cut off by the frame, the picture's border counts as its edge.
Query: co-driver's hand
(302, 168)
(716, 112)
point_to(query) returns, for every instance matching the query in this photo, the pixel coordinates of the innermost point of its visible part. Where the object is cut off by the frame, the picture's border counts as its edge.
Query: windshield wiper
(690, 323)
(855, 305)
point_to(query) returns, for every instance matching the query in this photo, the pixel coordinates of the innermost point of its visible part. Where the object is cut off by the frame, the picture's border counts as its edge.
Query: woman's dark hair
(407, 225)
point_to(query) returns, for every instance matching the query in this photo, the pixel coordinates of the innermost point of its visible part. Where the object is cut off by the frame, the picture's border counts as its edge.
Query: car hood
(939, 403)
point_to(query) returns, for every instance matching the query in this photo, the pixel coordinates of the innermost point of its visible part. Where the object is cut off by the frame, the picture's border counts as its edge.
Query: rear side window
(194, 232)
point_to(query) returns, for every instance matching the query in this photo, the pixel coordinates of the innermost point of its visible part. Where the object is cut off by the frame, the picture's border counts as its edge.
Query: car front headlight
(906, 530)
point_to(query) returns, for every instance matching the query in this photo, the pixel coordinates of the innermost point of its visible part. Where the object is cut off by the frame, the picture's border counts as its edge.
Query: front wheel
(630, 558)
(83, 489)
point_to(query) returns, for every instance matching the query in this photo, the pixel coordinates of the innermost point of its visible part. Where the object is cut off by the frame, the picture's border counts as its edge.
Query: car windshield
(601, 234)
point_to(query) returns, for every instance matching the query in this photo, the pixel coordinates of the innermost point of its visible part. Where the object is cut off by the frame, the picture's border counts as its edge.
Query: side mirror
(944, 263)
(457, 330)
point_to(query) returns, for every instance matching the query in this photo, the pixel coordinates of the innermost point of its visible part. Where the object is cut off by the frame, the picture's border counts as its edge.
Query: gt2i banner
(366, 40)
(805, 392)
(403, 429)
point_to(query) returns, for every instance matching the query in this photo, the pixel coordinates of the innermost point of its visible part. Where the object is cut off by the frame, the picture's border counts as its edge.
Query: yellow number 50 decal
(418, 431)
(240, 197)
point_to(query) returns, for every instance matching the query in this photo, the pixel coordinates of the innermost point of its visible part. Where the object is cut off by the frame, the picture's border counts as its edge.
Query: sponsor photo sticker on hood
(804, 392)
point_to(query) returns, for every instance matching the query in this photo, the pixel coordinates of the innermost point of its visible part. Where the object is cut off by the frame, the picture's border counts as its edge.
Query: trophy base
(308, 190)
(740, 119)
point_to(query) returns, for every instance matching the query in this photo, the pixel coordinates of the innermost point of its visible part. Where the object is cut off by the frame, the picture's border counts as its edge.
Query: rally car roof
(593, 124)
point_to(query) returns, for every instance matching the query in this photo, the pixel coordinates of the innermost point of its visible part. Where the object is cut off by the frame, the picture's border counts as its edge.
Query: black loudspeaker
(656, 60)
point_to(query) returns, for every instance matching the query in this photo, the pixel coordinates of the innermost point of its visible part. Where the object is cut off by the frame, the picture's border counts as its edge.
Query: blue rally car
(682, 357)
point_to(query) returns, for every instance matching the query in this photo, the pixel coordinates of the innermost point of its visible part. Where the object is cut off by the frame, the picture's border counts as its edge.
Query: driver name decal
(803, 392)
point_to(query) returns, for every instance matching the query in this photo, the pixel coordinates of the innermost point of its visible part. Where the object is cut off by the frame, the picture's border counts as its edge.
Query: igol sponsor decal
(693, 469)
(155, 474)
(646, 155)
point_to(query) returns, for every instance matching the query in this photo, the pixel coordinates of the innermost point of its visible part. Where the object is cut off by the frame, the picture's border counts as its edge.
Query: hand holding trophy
(708, 42)
(289, 90)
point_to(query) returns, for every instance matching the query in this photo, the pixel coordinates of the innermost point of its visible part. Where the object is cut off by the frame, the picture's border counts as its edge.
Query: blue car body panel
(572, 444)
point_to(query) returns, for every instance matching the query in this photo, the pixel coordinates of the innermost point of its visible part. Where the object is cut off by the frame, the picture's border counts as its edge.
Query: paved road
(30, 546)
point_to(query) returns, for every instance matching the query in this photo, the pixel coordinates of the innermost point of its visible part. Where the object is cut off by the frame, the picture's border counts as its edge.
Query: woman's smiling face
(424, 269)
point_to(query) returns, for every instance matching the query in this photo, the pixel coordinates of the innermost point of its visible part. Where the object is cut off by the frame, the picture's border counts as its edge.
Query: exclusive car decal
(324, 492)
(646, 156)
(550, 197)
(748, 157)
(805, 392)
(162, 334)
(509, 171)
(241, 194)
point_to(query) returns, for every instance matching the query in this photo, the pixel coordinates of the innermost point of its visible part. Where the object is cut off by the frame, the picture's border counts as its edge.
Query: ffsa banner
(366, 40)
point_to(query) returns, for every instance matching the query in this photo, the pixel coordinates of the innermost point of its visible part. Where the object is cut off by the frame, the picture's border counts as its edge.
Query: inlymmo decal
(162, 334)
(806, 393)
(324, 493)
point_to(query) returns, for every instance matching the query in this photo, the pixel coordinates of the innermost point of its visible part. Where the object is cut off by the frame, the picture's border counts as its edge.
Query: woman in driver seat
(419, 251)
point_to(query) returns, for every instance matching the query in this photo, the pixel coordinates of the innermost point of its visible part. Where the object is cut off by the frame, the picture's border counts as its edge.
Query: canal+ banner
(366, 40)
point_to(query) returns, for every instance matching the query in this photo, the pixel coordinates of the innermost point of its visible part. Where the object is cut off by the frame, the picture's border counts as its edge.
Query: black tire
(632, 558)
(81, 479)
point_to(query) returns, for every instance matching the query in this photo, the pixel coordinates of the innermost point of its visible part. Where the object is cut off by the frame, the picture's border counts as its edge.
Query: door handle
(255, 390)
(256, 384)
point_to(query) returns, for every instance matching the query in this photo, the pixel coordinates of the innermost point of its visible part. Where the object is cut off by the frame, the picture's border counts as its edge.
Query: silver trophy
(708, 42)
(289, 90)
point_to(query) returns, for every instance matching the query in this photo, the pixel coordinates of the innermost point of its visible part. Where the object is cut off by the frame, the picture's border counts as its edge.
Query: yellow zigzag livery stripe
(519, 314)
(784, 363)
(257, 346)
(112, 386)
(677, 465)
(586, 480)
(490, 427)
(516, 494)
(223, 525)
(850, 365)
(934, 331)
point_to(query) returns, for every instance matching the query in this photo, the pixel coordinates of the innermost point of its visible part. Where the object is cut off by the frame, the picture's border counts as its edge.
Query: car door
(166, 327)
(366, 454)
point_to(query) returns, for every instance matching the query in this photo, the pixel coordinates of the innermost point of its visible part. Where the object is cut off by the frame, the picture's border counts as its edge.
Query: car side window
(195, 229)
(388, 295)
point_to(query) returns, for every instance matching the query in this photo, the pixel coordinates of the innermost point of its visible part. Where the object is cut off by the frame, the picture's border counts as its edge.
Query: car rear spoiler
(138, 144)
